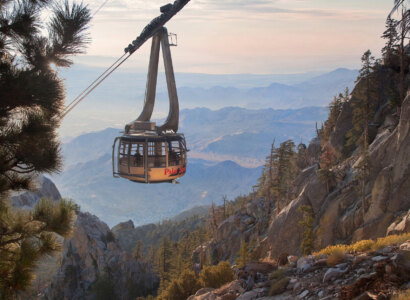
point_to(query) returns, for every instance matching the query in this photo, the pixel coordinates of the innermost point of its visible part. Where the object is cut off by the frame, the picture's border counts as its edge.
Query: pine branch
(67, 32)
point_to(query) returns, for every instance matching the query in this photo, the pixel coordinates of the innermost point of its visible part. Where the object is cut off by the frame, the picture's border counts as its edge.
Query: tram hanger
(148, 153)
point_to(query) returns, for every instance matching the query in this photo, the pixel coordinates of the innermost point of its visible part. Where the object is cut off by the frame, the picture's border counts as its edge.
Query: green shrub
(183, 287)
(278, 274)
(189, 283)
(216, 276)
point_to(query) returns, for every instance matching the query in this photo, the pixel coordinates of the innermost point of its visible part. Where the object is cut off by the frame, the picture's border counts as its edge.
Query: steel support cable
(99, 8)
(91, 84)
(95, 83)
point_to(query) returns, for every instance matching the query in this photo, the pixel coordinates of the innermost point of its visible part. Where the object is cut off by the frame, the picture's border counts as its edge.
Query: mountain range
(120, 98)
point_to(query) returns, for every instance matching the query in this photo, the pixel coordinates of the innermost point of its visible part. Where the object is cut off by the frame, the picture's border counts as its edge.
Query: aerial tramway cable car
(145, 152)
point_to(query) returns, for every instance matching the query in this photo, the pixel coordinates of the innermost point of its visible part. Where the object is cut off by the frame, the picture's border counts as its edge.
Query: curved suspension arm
(168, 11)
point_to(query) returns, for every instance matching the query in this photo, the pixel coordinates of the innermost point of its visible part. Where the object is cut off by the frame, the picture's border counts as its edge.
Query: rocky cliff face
(44, 188)
(92, 261)
(93, 264)
(338, 213)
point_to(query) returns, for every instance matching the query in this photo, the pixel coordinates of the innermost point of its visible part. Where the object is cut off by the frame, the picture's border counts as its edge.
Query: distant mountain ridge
(92, 186)
(121, 97)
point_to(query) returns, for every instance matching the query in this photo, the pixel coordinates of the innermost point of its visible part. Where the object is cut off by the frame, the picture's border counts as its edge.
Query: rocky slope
(44, 188)
(361, 276)
(338, 213)
(94, 264)
(92, 261)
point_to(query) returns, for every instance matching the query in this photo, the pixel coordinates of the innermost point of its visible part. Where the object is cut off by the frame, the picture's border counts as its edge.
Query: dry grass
(365, 245)
(391, 240)
(362, 246)
(278, 274)
(403, 295)
(278, 286)
(329, 250)
(335, 258)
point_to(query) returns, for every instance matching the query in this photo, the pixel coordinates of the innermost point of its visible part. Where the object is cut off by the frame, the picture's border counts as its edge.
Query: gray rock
(405, 246)
(248, 295)
(303, 294)
(341, 266)
(400, 226)
(305, 268)
(333, 273)
(89, 253)
(44, 188)
(303, 261)
(379, 258)
(297, 286)
(386, 250)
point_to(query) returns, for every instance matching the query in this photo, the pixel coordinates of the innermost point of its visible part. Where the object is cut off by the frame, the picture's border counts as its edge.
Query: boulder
(400, 226)
(333, 273)
(43, 188)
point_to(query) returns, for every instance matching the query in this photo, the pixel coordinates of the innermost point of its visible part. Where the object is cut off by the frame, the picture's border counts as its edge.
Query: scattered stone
(341, 266)
(361, 271)
(297, 286)
(379, 258)
(332, 273)
(405, 246)
(320, 294)
(305, 268)
(248, 295)
(359, 259)
(386, 250)
(293, 280)
(400, 226)
(303, 261)
(292, 259)
(303, 294)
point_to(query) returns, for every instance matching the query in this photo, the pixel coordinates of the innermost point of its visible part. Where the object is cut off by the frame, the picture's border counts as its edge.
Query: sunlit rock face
(93, 253)
(44, 188)
(338, 212)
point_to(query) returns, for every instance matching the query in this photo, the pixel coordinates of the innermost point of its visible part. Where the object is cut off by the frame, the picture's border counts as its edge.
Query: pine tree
(363, 110)
(363, 106)
(301, 162)
(265, 181)
(31, 93)
(391, 36)
(403, 26)
(25, 237)
(138, 251)
(325, 173)
(307, 245)
(284, 165)
(244, 254)
(164, 262)
(32, 96)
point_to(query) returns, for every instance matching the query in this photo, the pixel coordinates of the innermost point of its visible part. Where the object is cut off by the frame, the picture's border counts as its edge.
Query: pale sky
(244, 36)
